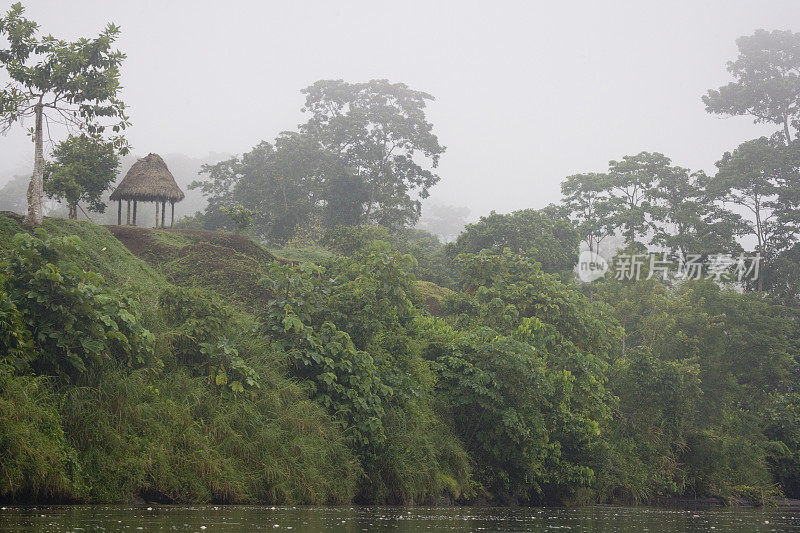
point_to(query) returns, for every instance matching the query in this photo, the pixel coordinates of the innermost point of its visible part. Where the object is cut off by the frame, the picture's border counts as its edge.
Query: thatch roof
(148, 180)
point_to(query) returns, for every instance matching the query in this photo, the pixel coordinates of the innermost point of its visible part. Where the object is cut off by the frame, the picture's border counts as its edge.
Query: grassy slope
(305, 254)
(433, 296)
(168, 435)
(228, 264)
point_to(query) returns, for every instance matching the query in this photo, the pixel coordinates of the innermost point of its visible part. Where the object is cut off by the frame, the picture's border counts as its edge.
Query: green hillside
(198, 366)
(165, 431)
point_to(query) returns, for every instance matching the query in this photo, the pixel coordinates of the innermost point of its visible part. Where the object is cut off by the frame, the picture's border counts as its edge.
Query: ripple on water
(395, 519)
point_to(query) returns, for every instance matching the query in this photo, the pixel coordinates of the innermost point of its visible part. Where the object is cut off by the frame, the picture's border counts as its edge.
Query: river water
(396, 519)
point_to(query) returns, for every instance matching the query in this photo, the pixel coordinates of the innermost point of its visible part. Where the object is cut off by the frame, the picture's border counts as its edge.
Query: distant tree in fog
(545, 235)
(279, 183)
(445, 221)
(586, 197)
(767, 81)
(365, 156)
(380, 132)
(12, 194)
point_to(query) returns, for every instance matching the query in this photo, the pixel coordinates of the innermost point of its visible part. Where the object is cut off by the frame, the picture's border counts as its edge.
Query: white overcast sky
(526, 92)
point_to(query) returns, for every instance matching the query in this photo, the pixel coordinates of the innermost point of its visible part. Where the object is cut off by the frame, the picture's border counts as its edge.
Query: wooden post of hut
(149, 180)
(119, 213)
(128, 218)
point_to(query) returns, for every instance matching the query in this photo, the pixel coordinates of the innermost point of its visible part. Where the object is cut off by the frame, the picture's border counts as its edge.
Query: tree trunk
(73, 211)
(36, 187)
(786, 130)
(760, 241)
(369, 205)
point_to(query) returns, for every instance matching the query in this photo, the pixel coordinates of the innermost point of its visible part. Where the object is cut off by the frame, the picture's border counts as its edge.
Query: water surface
(396, 519)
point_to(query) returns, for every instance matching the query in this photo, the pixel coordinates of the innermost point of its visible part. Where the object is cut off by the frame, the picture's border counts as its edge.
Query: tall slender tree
(587, 197)
(755, 176)
(73, 83)
(767, 81)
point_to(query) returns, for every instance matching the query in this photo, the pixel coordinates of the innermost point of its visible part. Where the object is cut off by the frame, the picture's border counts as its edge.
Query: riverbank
(166, 428)
(216, 414)
(185, 366)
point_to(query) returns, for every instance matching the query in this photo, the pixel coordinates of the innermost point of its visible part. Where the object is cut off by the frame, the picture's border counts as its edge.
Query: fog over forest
(505, 265)
(526, 92)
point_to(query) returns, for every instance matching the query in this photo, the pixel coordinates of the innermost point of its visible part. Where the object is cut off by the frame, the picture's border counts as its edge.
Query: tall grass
(172, 438)
(422, 462)
(166, 433)
(36, 461)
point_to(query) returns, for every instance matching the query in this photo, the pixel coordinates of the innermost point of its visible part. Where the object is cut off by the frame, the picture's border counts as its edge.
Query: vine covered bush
(200, 323)
(345, 378)
(74, 320)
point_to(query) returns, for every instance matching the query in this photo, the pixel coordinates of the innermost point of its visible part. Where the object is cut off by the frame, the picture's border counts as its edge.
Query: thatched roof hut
(148, 180)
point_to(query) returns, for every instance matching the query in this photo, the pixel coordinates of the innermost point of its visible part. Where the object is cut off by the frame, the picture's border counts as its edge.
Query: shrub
(348, 240)
(75, 321)
(200, 324)
(345, 379)
(16, 344)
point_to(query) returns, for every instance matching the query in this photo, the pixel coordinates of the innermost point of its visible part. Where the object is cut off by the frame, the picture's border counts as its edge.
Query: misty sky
(526, 92)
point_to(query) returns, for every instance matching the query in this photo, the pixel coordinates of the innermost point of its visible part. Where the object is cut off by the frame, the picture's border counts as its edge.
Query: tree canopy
(545, 235)
(766, 82)
(365, 156)
(379, 131)
(82, 169)
(69, 82)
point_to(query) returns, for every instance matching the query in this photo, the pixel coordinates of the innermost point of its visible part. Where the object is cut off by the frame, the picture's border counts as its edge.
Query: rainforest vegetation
(300, 341)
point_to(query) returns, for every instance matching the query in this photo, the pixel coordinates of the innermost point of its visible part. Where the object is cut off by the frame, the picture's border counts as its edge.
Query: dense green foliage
(381, 366)
(700, 368)
(83, 168)
(75, 321)
(521, 388)
(522, 371)
(547, 233)
(201, 410)
(351, 327)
